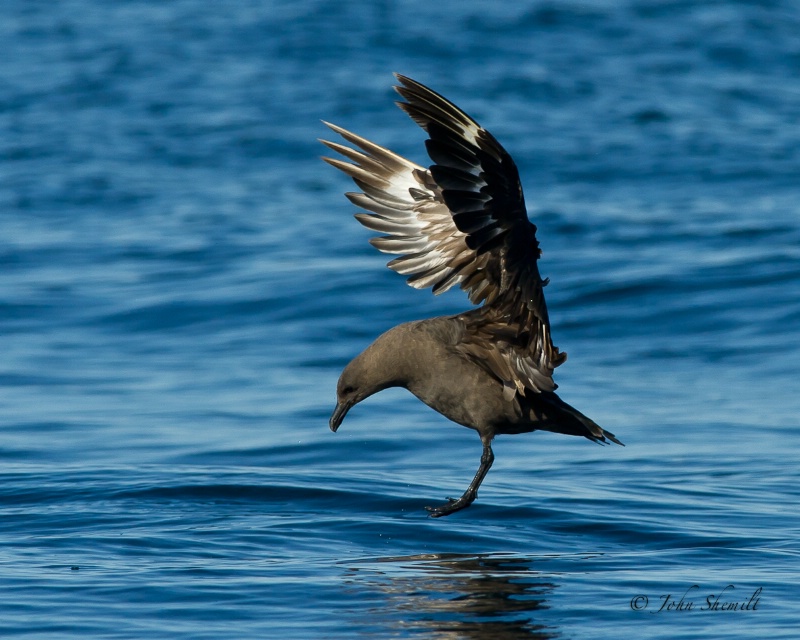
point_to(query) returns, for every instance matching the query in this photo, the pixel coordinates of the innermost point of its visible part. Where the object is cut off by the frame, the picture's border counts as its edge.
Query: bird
(460, 221)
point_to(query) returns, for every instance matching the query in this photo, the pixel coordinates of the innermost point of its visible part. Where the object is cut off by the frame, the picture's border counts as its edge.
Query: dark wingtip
(405, 82)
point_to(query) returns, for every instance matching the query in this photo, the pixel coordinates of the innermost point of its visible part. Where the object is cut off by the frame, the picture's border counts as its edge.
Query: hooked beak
(338, 415)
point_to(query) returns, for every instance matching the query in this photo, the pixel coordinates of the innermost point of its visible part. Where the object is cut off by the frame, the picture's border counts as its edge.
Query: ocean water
(182, 282)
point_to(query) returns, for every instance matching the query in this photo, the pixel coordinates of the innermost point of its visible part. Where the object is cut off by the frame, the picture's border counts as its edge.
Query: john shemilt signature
(724, 601)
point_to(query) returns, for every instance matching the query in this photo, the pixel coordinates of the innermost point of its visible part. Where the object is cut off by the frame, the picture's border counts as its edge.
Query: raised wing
(462, 221)
(407, 205)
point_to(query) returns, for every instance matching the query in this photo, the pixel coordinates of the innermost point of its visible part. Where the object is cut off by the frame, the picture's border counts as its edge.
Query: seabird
(462, 221)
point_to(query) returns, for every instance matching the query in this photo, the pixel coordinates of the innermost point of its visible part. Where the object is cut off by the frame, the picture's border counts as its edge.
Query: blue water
(182, 282)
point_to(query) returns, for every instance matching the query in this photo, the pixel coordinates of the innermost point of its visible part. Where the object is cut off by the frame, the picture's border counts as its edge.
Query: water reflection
(453, 596)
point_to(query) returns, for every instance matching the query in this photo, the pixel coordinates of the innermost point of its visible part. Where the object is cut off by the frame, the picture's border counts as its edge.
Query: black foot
(472, 490)
(451, 506)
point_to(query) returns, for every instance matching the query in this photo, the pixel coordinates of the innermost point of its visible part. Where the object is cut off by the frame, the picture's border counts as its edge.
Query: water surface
(183, 281)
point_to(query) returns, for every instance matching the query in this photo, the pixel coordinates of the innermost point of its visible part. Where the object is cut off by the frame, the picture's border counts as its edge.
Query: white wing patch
(407, 206)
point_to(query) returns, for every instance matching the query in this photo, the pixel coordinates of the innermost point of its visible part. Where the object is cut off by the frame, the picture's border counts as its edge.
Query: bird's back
(448, 380)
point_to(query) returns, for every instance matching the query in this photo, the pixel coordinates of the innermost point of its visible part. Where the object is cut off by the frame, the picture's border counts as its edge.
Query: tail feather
(559, 417)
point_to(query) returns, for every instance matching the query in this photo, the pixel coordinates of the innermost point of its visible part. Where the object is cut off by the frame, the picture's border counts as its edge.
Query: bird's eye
(348, 390)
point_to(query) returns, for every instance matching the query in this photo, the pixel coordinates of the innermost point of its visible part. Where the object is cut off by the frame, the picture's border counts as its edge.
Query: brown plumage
(460, 222)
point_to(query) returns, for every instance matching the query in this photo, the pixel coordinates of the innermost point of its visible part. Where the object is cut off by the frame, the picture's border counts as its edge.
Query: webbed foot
(451, 506)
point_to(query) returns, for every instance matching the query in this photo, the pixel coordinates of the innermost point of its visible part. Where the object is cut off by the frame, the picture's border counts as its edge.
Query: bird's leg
(453, 505)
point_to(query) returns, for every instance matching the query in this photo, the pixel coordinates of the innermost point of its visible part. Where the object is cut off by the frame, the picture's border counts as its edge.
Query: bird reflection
(452, 596)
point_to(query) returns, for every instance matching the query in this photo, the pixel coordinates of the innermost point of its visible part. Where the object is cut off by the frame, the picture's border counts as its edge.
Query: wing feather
(461, 222)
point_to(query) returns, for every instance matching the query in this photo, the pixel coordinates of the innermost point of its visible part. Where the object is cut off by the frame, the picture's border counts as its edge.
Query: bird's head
(370, 372)
(348, 394)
